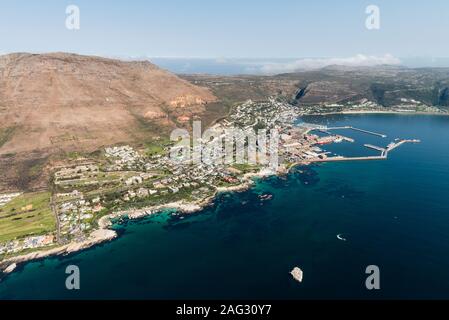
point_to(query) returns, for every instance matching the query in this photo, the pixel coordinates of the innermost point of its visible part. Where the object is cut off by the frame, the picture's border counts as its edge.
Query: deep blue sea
(393, 214)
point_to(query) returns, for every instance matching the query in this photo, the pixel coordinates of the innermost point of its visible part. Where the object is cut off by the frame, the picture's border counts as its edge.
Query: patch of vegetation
(216, 111)
(94, 220)
(157, 147)
(148, 127)
(6, 135)
(72, 155)
(27, 215)
(96, 154)
(301, 92)
(378, 91)
(443, 97)
(8, 155)
(160, 199)
(30, 171)
(245, 167)
(260, 126)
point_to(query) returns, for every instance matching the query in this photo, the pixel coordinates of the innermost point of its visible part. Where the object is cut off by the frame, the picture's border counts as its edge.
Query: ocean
(393, 214)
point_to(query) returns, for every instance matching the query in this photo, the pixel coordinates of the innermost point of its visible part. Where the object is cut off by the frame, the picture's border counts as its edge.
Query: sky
(297, 29)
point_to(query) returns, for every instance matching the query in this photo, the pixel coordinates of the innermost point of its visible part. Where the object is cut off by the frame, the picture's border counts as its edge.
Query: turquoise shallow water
(394, 214)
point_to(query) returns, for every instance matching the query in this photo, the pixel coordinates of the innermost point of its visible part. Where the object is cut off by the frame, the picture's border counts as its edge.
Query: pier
(394, 145)
(369, 132)
(382, 156)
(347, 139)
(334, 159)
(360, 130)
(338, 128)
(375, 147)
(338, 135)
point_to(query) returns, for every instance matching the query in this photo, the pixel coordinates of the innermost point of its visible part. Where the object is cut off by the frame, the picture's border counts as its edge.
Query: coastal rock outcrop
(10, 268)
(297, 274)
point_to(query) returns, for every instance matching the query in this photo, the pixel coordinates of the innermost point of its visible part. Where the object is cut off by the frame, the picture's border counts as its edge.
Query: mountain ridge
(69, 101)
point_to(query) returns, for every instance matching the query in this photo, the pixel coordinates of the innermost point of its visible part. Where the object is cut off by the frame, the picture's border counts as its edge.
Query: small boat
(340, 237)
(266, 197)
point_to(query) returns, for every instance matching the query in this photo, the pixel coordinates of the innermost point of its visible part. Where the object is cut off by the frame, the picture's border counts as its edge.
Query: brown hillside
(66, 102)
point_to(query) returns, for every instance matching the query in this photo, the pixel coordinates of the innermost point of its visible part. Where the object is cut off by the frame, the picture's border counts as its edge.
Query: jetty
(394, 145)
(338, 128)
(375, 147)
(340, 158)
(369, 132)
(357, 129)
(347, 139)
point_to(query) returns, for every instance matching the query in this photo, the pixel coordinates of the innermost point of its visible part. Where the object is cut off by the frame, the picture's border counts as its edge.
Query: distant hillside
(61, 101)
(386, 85)
(53, 105)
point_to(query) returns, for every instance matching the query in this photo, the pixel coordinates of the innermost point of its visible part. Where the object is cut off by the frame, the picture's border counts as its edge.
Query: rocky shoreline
(96, 237)
(104, 234)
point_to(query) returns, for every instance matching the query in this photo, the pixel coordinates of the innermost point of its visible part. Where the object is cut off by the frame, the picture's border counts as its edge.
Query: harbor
(322, 157)
(382, 156)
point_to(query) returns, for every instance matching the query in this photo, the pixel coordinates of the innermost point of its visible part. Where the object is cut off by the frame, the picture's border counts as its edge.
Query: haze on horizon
(281, 35)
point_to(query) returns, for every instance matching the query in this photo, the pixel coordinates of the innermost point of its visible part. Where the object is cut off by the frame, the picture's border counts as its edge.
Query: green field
(245, 167)
(157, 147)
(16, 221)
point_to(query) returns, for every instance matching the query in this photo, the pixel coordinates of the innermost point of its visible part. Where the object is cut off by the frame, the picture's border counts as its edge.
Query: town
(129, 181)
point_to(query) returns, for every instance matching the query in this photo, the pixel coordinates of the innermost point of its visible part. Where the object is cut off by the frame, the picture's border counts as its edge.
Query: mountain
(386, 85)
(61, 101)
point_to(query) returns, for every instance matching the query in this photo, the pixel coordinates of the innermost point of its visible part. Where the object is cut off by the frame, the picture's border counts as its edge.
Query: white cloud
(359, 60)
(221, 60)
